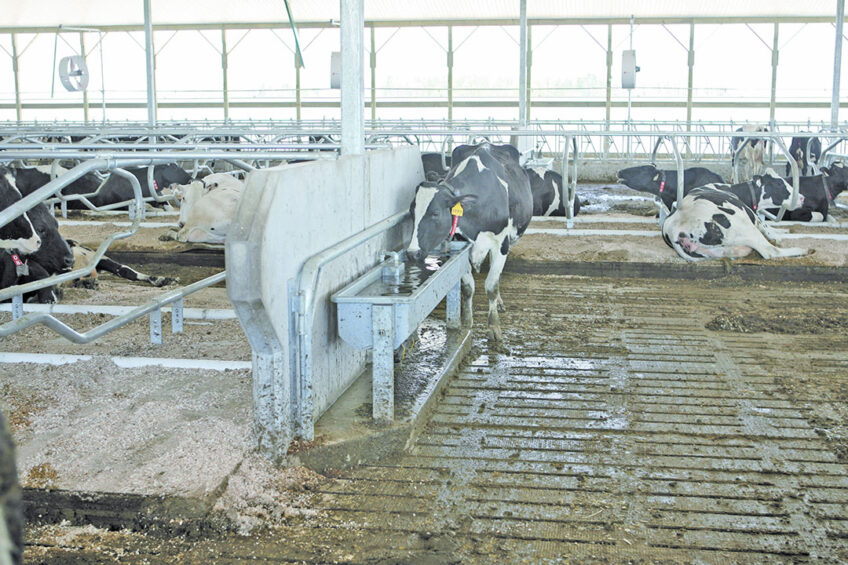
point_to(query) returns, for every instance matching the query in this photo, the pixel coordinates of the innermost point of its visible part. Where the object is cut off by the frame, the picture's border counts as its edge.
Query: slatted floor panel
(620, 428)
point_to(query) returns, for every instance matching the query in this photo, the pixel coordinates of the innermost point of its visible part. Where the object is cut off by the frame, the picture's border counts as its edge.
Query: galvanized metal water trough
(369, 316)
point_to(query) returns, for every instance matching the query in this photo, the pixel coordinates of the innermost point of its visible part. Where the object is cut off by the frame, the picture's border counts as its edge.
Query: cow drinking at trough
(750, 160)
(549, 195)
(806, 151)
(712, 223)
(485, 199)
(663, 183)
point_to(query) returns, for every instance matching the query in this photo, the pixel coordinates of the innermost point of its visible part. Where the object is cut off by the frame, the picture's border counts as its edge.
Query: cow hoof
(163, 281)
(167, 237)
(501, 307)
(89, 283)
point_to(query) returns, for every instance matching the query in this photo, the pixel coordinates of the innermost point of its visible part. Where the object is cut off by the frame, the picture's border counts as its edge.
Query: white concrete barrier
(286, 215)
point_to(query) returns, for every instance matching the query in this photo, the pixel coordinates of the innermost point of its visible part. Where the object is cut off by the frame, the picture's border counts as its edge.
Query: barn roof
(108, 13)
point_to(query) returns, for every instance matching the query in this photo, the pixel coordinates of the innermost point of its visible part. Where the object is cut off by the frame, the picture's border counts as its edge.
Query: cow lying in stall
(207, 208)
(818, 192)
(485, 198)
(712, 223)
(115, 189)
(54, 254)
(750, 160)
(663, 183)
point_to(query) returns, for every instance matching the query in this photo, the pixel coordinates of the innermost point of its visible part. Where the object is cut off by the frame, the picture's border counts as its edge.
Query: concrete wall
(288, 214)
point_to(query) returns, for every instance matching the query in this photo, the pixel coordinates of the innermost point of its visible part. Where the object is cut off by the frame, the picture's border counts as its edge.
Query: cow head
(773, 191)
(19, 233)
(54, 254)
(431, 213)
(837, 178)
(644, 178)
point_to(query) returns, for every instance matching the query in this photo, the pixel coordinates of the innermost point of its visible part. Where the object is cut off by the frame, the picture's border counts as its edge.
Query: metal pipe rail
(153, 306)
(302, 309)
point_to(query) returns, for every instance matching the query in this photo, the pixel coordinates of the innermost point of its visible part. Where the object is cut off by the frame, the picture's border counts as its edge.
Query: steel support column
(774, 57)
(15, 59)
(691, 61)
(352, 29)
(837, 65)
(522, 67)
(224, 68)
(373, 76)
(298, 102)
(529, 87)
(85, 91)
(150, 55)
(609, 87)
(450, 73)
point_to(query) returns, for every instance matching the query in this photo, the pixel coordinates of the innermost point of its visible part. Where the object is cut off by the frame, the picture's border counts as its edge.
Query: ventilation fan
(73, 73)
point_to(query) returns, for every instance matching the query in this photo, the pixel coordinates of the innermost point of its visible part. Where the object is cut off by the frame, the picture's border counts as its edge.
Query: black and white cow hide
(762, 192)
(806, 151)
(712, 223)
(663, 183)
(549, 195)
(493, 190)
(818, 192)
(750, 160)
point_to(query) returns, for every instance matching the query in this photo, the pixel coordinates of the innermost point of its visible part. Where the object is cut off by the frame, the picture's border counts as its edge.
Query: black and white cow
(19, 234)
(497, 206)
(433, 169)
(663, 183)
(712, 223)
(762, 192)
(750, 160)
(83, 256)
(11, 501)
(806, 151)
(818, 192)
(115, 189)
(549, 195)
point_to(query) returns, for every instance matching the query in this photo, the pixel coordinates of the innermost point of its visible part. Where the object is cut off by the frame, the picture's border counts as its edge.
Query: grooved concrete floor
(620, 429)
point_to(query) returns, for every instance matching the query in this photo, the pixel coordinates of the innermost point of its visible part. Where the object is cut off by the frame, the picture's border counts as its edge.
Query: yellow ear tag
(457, 209)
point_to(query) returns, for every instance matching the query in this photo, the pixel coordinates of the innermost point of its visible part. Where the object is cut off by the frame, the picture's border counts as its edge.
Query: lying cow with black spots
(549, 195)
(207, 208)
(712, 223)
(663, 183)
(818, 191)
(485, 198)
(83, 256)
(762, 192)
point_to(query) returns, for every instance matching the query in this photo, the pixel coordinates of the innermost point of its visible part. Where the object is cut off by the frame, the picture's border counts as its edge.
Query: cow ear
(465, 200)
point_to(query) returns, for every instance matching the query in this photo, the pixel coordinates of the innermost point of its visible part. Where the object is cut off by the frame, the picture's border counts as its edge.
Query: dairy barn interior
(226, 344)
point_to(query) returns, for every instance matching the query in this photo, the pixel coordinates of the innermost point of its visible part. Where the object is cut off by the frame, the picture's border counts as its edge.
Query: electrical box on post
(336, 69)
(628, 69)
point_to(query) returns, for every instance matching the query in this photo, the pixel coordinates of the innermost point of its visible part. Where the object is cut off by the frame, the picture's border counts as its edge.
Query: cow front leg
(467, 309)
(496, 265)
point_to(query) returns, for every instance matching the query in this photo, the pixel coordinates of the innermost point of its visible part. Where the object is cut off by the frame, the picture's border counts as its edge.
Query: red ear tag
(662, 186)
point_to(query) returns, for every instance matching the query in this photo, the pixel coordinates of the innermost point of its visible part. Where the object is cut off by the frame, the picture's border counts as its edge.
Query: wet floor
(620, 429)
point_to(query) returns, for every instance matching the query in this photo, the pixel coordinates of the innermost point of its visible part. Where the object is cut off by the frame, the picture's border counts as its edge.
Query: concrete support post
(450, 74)
(691, 76)
(15, 60)
(452, 307)
(84, 92)
(774, 57)
(837, 65)
(352, 26)
(609, 88)
(150, 55)
(383, 366)
(224, 68)
(373, 76)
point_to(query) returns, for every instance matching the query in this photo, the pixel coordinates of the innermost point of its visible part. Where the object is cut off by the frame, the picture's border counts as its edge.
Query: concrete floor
(620, 429)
